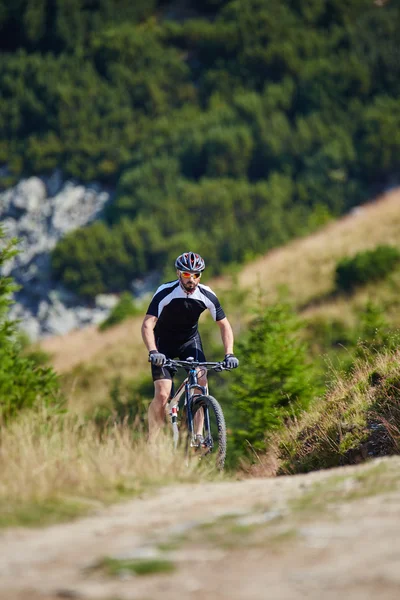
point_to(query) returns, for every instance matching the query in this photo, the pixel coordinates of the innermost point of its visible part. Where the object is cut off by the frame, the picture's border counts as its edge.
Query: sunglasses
(186, 275)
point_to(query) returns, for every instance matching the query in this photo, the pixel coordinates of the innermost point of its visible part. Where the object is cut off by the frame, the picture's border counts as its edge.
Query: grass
(55, 467)
(117, 567)
(88, 384)
(227, 532)
(306, 266)
(41, 512)
(358, 418)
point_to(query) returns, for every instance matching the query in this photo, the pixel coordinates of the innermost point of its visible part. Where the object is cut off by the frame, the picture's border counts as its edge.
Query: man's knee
(162, 393)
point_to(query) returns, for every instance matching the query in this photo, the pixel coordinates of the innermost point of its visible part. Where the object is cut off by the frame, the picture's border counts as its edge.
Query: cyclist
(170, 330)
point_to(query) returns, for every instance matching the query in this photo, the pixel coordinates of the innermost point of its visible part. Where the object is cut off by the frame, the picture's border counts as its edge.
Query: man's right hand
(157, 359)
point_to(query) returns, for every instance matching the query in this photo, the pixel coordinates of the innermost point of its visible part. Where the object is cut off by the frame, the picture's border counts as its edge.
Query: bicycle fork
(173, 413)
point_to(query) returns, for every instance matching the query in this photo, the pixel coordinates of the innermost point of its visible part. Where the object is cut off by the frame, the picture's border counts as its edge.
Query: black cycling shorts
(192, 347)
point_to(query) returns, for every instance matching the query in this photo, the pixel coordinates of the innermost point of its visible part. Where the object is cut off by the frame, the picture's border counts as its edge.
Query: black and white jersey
(178, 312)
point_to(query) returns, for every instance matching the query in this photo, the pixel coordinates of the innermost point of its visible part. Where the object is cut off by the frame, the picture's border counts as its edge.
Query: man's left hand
(230, 361)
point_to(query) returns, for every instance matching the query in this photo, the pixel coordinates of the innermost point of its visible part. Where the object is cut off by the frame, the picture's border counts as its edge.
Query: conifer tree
(272, 383)
(23, 384)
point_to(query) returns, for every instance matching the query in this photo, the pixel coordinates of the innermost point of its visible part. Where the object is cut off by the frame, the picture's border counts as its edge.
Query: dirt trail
(350, 551)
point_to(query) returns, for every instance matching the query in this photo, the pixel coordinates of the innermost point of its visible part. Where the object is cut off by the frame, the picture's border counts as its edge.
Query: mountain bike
(191, 399)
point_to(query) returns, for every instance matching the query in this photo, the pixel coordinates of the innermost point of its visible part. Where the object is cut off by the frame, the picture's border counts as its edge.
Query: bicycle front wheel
(214, 430)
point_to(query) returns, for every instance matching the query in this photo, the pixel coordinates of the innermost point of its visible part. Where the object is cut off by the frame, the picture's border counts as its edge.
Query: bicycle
(214, 429)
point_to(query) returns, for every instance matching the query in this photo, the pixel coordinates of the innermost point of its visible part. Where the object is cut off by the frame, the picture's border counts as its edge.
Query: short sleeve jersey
(178, 313)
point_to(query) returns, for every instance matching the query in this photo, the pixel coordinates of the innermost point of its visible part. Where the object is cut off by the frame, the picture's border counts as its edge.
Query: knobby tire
(216, 417)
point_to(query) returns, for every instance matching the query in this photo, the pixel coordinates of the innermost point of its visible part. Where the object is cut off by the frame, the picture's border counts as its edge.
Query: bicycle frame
(187, 387)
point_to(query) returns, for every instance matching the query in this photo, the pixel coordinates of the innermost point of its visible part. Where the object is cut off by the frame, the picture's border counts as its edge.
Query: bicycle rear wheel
(214, 430)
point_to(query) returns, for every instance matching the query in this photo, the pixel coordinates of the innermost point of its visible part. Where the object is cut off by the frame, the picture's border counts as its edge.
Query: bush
(366, 266)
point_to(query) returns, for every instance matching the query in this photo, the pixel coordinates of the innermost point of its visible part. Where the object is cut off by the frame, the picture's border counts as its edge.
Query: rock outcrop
(39, 212)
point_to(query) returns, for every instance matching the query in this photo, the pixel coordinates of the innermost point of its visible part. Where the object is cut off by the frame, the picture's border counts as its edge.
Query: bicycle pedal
(198, 441)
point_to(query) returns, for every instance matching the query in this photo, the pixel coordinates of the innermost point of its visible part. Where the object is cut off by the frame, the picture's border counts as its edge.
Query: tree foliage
(244, 93)
(274, 383)
(365, 267)
(23, 384)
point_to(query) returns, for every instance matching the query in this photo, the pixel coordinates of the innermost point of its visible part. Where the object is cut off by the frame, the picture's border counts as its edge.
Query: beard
(188, 286)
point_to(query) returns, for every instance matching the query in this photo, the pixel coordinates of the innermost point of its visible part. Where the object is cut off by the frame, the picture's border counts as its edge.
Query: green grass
(358, 418)
(226, 532)
(39, 513)
(115, 567)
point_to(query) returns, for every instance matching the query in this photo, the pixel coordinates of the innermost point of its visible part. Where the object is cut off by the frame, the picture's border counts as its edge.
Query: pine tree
(272, 382)
(23, 384)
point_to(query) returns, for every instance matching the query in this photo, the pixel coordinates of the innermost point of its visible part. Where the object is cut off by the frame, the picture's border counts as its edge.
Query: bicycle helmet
(190, 262)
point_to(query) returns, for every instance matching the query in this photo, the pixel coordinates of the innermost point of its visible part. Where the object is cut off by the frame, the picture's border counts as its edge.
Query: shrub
(366, 266)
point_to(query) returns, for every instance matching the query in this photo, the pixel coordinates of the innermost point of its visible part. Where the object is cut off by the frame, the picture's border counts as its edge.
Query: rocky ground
(327, 534)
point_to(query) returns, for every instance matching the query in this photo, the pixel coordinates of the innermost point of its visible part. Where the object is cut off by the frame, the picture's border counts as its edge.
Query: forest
(227, 128)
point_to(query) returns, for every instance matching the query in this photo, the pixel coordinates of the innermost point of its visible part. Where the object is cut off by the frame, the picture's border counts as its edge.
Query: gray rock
(43, 310)
(98, 316)
(106, 301)
(39, 212)
(29, 194)
(10, 227)
(60, 320)
(84, 315)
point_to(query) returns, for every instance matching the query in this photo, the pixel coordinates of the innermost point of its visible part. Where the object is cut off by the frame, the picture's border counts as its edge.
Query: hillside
(254, 132)
(305, 267)
(250, 123)
(290, 535)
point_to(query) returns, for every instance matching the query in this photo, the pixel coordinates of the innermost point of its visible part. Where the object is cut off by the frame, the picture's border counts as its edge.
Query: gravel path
(349, 548)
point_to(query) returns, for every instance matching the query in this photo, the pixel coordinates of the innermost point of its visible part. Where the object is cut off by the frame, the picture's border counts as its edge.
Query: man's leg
(156, 414)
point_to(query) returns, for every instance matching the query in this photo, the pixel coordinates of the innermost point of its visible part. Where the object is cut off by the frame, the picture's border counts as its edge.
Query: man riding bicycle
(170, 330)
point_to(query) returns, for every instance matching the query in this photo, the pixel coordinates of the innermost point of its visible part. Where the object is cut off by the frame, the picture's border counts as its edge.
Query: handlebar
(190, 364)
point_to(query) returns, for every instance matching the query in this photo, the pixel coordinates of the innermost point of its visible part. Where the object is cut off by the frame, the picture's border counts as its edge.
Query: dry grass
(359, 418)
(62, 466)
(342, 307)
(306, 266)
(121, 345)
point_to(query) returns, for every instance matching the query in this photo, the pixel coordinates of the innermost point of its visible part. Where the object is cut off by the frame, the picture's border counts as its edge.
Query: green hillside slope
(250, 123)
